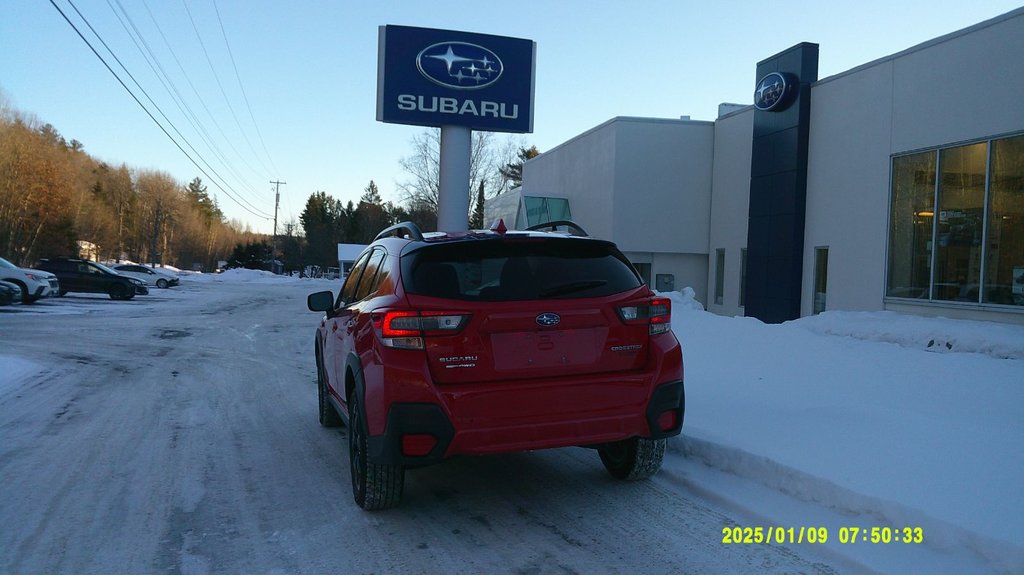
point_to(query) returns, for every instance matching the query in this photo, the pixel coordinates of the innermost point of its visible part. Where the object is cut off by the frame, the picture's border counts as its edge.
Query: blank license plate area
(540, 349)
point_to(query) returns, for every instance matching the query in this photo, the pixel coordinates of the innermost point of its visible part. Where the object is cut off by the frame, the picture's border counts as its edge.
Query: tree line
(326, 221)
(54, 195)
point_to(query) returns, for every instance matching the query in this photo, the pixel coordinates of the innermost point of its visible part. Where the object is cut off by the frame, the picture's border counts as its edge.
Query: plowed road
(177, 433)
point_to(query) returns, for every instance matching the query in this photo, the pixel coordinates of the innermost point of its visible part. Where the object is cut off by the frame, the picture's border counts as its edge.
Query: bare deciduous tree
(489, 154)
(53, 193)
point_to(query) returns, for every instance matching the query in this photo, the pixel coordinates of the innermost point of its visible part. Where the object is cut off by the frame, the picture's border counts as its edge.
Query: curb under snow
(822, 492)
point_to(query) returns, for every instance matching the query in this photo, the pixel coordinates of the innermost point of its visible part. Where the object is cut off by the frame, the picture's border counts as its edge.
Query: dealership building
(897, 185)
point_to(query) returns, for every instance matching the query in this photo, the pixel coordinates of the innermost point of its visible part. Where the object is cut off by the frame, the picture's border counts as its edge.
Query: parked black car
(9, 293)
(78, 275)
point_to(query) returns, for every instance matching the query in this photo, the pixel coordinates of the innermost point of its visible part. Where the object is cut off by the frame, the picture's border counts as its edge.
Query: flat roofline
(925, 45)
(630, 119)
(743, 109)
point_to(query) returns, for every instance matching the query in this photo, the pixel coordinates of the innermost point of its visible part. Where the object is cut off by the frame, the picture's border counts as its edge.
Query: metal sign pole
(453, 191)
(461, 82)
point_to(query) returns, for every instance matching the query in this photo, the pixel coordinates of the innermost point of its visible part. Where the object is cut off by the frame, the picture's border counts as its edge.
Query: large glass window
(911, 221)
(957, 224)
(960, 220)
(1004, 268)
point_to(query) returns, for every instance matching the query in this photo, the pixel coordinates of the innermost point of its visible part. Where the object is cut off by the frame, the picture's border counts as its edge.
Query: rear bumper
(537, 424)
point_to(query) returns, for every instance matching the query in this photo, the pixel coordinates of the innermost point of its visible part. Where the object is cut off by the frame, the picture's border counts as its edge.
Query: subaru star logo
(772, 92)
(459, 65)
(548, 319)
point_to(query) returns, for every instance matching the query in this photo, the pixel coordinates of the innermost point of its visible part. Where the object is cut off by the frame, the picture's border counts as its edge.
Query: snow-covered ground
(838, 421)
(879, 418)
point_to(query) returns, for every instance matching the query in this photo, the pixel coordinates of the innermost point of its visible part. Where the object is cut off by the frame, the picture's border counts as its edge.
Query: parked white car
(34, 284)
(152, 276)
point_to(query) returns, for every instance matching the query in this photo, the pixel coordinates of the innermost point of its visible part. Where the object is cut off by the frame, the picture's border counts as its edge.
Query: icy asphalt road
(177, 433)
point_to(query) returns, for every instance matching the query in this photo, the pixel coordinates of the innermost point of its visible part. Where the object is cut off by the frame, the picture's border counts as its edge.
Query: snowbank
(254, 276)
(931, 333)
(855, 411)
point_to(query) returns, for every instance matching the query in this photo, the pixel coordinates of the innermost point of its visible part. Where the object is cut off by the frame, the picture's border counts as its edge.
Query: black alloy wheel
(121, 292)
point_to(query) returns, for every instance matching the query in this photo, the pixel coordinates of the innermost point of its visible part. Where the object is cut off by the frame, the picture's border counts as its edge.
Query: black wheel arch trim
(405, 418)
(667, 396)
(353, 365)
(402, 418)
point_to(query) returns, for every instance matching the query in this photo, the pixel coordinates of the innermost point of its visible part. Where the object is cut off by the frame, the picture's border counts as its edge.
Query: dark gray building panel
(778, 189)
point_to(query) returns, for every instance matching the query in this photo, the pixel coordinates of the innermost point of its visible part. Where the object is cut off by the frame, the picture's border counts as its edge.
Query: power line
(158, 70)
(139, 102)
(219, 84)
(242, 88)
(202, 102)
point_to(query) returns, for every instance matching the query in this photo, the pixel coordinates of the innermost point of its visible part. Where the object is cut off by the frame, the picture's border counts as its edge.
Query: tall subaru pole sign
(460, 82)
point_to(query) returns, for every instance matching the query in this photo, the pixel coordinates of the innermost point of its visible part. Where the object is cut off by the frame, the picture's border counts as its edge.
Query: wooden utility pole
(277, 202)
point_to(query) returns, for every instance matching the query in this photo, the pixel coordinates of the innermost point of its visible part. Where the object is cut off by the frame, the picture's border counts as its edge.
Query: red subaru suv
(443, 344)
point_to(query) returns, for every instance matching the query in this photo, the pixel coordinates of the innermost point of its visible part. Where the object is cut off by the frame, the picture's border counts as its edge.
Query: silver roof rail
(554, 224)
(411, 230)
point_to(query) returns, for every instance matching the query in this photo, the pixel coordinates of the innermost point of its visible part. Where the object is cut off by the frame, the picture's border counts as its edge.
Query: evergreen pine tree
(476, 222)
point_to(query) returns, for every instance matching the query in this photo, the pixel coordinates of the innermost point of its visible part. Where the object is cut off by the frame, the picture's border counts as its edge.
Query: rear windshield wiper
(570, 287)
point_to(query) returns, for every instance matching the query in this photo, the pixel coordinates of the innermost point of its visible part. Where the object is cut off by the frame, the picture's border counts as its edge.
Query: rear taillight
(405, 329)
(656, 314)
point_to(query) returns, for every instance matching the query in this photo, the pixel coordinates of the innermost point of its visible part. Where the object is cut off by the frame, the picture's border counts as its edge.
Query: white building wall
(643, 183)
(582, 170)
(961, 87)
(663, 185)
(729, 206)
(687, 270)
(848, 188)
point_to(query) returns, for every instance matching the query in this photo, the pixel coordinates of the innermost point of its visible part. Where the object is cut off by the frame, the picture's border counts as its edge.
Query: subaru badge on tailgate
(548, 319)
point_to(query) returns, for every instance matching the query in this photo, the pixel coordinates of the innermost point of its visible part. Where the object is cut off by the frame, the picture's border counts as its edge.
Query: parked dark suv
(486, 342)
(77, 275)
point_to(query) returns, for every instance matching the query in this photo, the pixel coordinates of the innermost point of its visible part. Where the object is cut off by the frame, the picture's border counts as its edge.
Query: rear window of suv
(511, 269)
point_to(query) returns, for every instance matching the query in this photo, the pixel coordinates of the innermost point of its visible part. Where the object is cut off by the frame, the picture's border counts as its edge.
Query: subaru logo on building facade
(548, 319)
(459, 65)
(773, 93)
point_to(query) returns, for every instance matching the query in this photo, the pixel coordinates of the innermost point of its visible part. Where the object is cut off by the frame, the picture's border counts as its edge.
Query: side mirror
(320, 301)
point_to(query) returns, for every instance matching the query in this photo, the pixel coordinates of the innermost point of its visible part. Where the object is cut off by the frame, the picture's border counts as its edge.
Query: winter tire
(161, 283)
(375, 486)
(634, 458)
(119, 291)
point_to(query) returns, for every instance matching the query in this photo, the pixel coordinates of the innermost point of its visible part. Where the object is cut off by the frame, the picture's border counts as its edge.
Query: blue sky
(308, 75)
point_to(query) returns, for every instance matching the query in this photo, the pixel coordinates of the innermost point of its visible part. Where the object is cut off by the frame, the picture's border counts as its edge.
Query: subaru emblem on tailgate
(548, 319)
